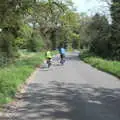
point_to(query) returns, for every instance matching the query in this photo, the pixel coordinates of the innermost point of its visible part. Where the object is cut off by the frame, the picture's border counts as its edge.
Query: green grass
(12, 76)
(109, 66)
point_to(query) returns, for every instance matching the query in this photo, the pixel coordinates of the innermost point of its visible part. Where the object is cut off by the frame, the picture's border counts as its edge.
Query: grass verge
(12, 76)
(109, 66)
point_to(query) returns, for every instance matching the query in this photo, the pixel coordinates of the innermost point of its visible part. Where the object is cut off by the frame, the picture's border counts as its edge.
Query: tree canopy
(39, 24)
(34, 24)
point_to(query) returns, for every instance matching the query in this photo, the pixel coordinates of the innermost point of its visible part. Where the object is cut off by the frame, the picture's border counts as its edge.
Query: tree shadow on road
(62, 101)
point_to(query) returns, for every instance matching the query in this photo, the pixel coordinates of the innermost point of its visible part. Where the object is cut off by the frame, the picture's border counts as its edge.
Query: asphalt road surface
(75, 91)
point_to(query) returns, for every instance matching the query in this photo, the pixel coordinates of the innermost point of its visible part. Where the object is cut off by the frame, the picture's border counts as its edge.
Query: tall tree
(115, 39)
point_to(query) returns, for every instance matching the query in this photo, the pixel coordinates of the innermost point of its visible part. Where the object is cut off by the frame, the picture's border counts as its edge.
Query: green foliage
(20, 42)
(96, 35)
(35, 44)
(101, 37)
(17, 75)
(112, 67)
(46, 19)
(10, 20)
(75, 40)
(85, 37)
(25, 34)
(115, 29)
(7, 44)
(99, 31)
(69, 31)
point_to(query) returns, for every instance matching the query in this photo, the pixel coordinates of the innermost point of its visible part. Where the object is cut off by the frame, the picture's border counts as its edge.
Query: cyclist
(48, 57)
(62, 54)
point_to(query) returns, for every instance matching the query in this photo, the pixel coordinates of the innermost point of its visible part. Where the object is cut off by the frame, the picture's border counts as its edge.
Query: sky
(90, 6)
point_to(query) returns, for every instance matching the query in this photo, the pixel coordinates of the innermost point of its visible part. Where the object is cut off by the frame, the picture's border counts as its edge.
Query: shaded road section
(75, 91)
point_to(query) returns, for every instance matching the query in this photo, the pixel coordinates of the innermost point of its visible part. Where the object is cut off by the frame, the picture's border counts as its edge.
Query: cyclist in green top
(48, 57)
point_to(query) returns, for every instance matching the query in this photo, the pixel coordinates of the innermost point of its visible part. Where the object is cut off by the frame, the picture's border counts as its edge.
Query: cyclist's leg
(49, 62)
(62, 58)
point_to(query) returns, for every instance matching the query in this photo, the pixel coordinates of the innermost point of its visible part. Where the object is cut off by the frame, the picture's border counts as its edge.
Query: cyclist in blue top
(62, 54)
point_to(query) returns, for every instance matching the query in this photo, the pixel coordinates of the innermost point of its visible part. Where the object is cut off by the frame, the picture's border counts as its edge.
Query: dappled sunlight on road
(61, 101)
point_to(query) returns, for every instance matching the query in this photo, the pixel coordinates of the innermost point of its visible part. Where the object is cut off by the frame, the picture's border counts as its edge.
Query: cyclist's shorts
(62, 56)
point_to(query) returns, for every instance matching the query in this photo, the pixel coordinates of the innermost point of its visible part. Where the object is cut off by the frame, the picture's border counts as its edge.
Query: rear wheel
(49, 63)
(62, 61)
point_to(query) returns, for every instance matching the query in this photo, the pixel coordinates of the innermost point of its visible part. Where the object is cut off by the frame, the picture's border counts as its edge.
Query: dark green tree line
(100, 36)
(115, 29)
